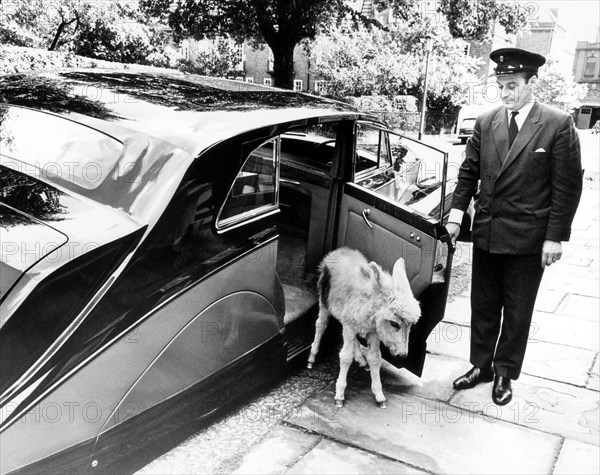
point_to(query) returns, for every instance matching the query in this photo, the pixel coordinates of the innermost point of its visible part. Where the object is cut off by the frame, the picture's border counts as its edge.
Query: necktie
(513, 130)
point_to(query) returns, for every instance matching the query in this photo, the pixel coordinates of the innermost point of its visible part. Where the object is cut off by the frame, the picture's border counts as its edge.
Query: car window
(405, 171)
(372, 149)
(255, 189)
(310, 145)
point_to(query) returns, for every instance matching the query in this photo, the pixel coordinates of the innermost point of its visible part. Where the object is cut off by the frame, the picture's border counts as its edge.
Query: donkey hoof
(382, 404)
(309, 365)
(339, 403)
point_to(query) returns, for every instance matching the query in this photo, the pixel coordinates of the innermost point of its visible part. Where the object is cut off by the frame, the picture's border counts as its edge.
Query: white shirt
(523, 112)
(457, 215)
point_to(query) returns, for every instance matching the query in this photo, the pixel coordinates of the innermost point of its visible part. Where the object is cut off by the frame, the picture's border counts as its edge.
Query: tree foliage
(217, 60)
(557, 88)
(474, 19)
(391, 63)
(110, 30)
(283, 24)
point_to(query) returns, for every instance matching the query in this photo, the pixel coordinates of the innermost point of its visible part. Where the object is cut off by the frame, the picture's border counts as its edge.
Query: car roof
(190, 112)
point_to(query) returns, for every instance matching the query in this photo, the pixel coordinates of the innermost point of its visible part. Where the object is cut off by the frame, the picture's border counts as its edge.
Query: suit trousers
(503, 292)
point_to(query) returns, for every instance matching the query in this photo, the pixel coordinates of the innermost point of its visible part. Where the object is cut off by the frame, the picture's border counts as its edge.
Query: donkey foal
(368, 302)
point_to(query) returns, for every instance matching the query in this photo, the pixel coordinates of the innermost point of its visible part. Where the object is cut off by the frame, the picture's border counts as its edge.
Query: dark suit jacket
(527, 194)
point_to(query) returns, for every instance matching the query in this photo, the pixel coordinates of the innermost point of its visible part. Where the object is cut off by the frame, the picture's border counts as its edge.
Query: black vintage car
(160, 238)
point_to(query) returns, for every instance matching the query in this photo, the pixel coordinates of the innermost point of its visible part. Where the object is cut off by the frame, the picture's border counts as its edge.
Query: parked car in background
(160, 238)
(466, 129)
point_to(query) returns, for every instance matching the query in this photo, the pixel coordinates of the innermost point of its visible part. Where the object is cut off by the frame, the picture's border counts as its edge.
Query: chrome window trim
(232, 222)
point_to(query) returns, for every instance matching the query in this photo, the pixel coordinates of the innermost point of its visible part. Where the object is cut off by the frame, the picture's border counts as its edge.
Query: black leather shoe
(502, 392)
(473, 377)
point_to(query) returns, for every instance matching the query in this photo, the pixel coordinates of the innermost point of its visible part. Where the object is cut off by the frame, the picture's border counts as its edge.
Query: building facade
(586, 70)
(547, 37)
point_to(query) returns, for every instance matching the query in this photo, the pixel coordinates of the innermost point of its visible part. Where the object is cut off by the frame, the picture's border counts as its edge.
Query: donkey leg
(359, 355)
(374, 359)
(346, 358)
(320, 327)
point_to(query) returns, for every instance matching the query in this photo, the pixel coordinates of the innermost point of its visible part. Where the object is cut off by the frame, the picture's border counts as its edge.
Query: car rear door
(392, 207)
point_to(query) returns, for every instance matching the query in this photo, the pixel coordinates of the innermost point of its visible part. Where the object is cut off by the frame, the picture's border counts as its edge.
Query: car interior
(307, 156)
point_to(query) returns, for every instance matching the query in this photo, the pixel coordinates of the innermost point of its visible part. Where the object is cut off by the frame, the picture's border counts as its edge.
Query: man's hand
(453, 231)
(551, 252)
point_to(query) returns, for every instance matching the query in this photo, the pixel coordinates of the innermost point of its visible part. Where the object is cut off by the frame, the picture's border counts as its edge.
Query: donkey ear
(376, 271)
(401, 283)
(371, 271)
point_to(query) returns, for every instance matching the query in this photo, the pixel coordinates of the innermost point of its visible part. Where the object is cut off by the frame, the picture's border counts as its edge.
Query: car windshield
(56, 149)
(468, 123)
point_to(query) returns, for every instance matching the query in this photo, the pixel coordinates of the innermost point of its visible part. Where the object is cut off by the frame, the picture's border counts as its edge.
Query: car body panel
(386, 241)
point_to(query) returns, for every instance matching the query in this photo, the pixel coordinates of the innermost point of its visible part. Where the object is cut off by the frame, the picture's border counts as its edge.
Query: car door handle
(365, 213)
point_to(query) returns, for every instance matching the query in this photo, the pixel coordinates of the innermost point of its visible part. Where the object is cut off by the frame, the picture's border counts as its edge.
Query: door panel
(388, 240)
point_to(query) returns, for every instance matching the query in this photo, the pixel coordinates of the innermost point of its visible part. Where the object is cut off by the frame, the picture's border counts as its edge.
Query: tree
(283, 24)
(473, 19)
(217, 60)
(557, 88)
(390, 62)
(112, 30)
(35, 24)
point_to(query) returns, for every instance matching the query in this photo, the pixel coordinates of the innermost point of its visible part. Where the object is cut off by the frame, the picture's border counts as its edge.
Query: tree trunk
(59, 30)
(283, 67)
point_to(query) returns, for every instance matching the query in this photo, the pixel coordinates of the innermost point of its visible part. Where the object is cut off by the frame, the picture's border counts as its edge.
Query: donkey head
(400, 314)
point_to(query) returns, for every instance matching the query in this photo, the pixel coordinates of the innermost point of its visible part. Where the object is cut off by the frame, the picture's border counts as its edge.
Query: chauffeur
(525, 158)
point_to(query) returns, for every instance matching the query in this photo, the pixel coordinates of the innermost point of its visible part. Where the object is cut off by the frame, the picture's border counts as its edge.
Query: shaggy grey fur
(368, 302)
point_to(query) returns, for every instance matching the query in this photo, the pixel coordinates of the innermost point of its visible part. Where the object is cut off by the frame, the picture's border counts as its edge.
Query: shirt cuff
(456, 216)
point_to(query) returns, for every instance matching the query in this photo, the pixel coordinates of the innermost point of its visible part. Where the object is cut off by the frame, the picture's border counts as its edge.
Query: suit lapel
(530, 127)
(500, 125)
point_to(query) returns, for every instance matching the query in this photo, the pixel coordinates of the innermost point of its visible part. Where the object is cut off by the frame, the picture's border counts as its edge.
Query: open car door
(393, 205)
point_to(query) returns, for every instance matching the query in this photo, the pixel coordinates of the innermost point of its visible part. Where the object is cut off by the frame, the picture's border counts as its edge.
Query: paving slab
(458, 310)
(331, 457)
(594, 380)
(434, 384)
(547, 360)
(278, 452)
(580, 306)
(558, 362)
(577, 458)
(565, 269)
(549, 300)
(566, 330)
(540, 404)
(432, 436)
(572, 284)
(450, 339)
(214, 449)
(581, 263)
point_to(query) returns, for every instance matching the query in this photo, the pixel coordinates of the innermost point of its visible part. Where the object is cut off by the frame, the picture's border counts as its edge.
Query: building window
(250, 79)
(590, 66)
(185, 50)
(467, 49)
(297, 84)
(268, 82)
(320, 87)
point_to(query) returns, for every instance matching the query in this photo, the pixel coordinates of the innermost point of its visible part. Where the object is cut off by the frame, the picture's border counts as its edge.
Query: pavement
(551, 426)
